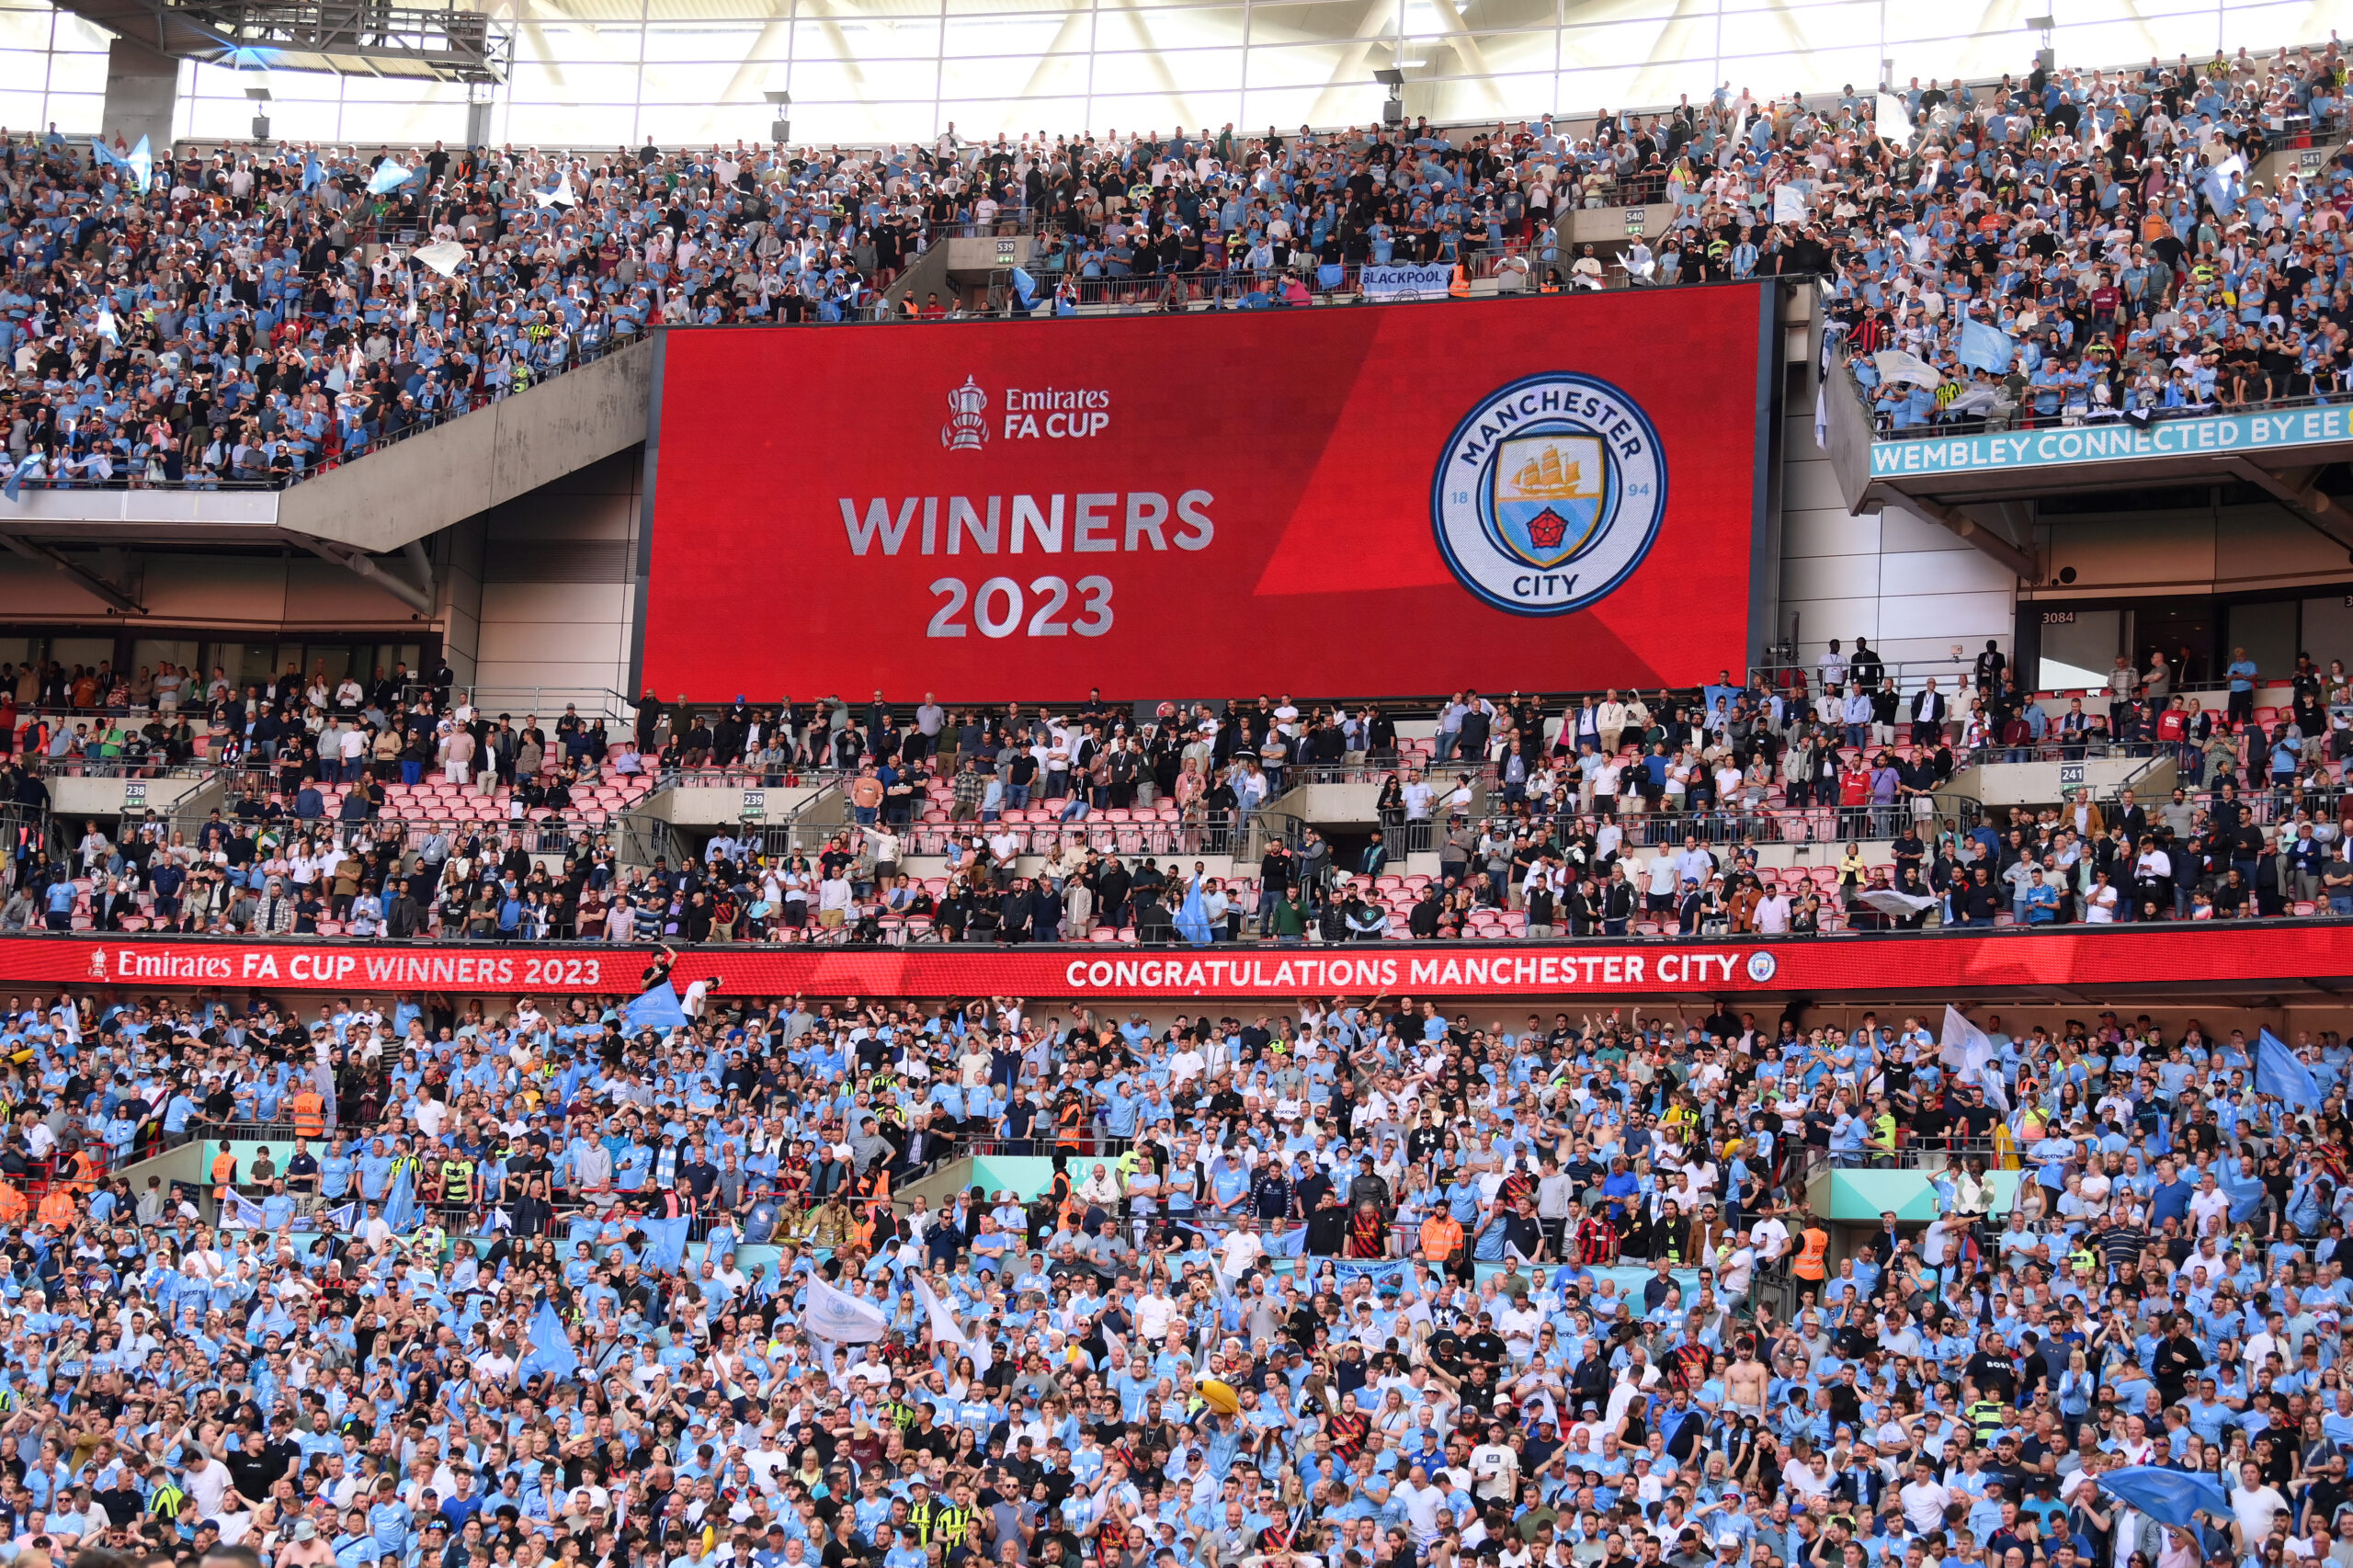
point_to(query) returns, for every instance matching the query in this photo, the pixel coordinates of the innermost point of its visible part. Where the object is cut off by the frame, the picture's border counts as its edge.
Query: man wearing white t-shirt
(1924, 1498)
(1495, 1469)
(2254, 1506)
(1153, 1313)
(1415, 797)
(1421, 1501)
(2207, 1204)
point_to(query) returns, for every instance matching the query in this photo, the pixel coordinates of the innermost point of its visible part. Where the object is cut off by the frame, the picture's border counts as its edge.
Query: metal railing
(1397, 937)
(1241, 836)
(1237, 286)
(1910, 1153)
(545, 703)
(542, 834)
(49, 765)
(1982, 412)
(746, 776)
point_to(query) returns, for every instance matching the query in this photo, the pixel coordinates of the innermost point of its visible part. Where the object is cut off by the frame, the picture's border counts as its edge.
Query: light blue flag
(1291, 1244)
(1330, 274)
(666, 1242)
(15, 480)
(344, 1219)
(2279, 1075)
(2245, 1191)
(400, 1199)
(1025, 287)
(389, 175)
(551, 1348)
(312, 174)
(1191, 923)
(141, 165)
(2169, 1496)
(657, 1010)
(1988, 349)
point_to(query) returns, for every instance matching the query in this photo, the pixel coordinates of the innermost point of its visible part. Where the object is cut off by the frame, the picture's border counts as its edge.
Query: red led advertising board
(1959, 965)
(1560, 491)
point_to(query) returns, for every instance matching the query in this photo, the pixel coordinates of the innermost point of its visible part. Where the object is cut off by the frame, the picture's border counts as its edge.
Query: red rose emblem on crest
(1547, 529)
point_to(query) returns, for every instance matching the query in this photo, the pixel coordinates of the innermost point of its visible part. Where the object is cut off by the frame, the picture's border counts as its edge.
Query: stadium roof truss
(348, 37)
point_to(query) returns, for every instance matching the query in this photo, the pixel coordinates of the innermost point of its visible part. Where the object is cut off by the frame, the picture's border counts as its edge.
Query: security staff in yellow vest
(458, 1182)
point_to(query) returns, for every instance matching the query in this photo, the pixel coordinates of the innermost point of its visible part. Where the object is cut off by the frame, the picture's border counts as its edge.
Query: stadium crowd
(394, 807)
(255, 313)
(2096, 248)
(1358, 1286)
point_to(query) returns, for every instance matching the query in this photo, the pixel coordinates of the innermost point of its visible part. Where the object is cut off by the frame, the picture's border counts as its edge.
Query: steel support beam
(33, 550)
(2021, 563)
(2300, 494)
(421, 565)
(360, 564)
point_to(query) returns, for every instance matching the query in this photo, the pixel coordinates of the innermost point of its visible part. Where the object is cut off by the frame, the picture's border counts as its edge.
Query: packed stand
(343, 795)
(254, 315)
(1805, 803)
(1088, 823)
(1355, 1287)
(2078, 248)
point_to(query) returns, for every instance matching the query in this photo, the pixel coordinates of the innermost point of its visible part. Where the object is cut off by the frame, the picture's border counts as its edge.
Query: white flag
(1896, 365)
(1896, 905)
(560, 197)
(1895, 121)
(841, 1317)
(1821, 416)
(1789, 205)
(443, 257)
(945, 1329)
(1965, 1045)
(240, 1210)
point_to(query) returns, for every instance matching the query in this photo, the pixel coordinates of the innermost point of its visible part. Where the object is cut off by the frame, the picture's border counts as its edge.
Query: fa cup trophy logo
(965, 431)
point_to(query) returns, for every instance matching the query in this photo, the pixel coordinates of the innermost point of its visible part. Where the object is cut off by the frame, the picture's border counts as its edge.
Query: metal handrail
(543, 703)
(51, 766)
(1242, 838)
(1496, 941)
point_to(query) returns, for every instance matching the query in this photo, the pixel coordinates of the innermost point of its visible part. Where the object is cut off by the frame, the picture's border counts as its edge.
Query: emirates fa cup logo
(965, 431)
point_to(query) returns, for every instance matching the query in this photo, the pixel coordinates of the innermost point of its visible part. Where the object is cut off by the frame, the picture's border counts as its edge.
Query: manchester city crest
(1548, 494)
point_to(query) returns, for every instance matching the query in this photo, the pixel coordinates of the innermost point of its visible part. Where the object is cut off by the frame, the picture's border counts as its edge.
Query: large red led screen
(1555, 491)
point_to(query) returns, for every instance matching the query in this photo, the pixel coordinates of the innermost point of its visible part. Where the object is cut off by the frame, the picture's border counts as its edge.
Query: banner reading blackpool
(1403, 282)
(1331, 501)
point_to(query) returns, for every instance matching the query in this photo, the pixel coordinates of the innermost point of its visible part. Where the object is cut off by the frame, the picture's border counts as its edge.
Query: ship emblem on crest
(1548, 494)
(966, 430)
